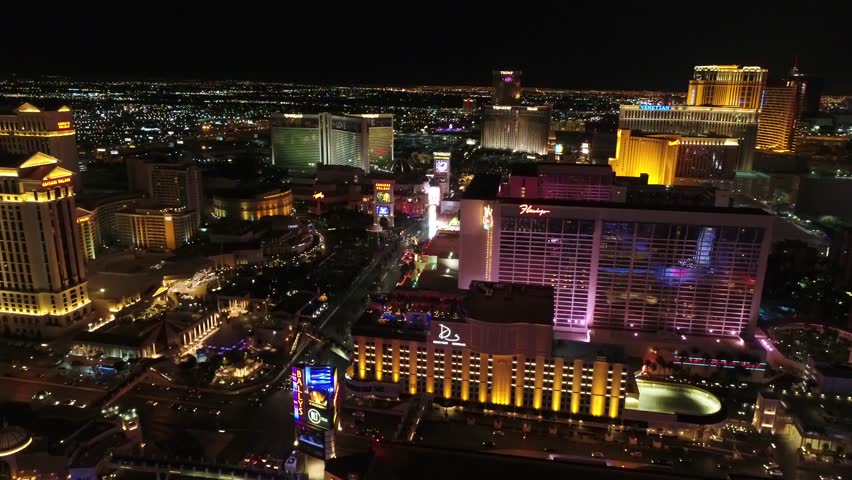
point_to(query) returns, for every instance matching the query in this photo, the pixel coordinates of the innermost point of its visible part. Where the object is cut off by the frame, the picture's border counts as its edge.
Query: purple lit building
(620, 266)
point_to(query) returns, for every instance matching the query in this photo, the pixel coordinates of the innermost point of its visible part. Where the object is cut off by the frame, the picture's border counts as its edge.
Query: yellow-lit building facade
(727, 86)
(253, 207)
(671, 159)
(153, 229)
(778, 122)
(492, 363)
(28, 129)
(89, 233)
(43, 287)
(655, 155)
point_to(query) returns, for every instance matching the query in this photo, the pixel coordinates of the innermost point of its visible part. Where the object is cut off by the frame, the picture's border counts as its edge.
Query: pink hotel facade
(696, 271)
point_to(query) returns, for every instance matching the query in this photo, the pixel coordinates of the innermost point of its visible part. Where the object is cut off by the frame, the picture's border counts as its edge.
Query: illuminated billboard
(315, 396)
(383, 211)
(383, 197)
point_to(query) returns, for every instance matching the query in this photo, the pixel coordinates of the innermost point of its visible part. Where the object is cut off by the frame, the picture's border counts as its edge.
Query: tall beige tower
(43, 288)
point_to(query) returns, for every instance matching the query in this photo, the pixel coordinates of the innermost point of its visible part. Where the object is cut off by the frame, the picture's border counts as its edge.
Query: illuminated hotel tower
(28, 129)
(301, 141)
(779, 118)
(518, 128)
(43, 288)
(726, 86)
(507, 87)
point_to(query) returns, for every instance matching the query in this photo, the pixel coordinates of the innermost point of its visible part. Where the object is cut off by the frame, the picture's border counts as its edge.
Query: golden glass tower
(779, 118)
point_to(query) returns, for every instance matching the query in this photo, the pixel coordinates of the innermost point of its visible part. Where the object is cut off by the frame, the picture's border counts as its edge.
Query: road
(187, 424)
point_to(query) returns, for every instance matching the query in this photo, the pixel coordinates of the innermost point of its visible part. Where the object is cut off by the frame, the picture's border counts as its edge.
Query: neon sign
(383, 186)
(531, 210)
(383, 211)
(447, 337)
(63, 125)
(298, 387)
(54, 182)
(487, 217)
(655, 107)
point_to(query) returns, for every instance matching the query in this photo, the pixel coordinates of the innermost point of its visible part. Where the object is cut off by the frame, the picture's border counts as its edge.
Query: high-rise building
(89, 234)
(810, 91)
(516, 128)
(172, 185)
(27, 129)
(726, 86)
(301, 141)
(684, 270)
(671, 159)
(507, 86)
(43, 287)
(155, 229)
(778, 124)
(296, 142)
(379, 128)
(103, 210)
(696, 121)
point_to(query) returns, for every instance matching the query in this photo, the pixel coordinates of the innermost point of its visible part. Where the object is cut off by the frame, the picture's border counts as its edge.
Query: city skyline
(603, 54)
(323, 245)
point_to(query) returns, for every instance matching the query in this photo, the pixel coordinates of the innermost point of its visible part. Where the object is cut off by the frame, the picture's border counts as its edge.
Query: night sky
(645, 47)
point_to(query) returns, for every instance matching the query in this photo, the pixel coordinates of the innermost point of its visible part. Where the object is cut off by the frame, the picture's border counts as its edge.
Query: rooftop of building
(509, 303)
(835, 371)
(589, 351)
(445, 244)
(139, 332)
(7, 108)
(422, 462)
(163, 264)
(751, 174)
(253, 191)
(292, 304)
(533, 169)
(407, 314)
(27, 160)
(658, 207)
(483, 187)
(823, 416)
(436, 277)
(149, 208)
(90, 201)
(705, 108)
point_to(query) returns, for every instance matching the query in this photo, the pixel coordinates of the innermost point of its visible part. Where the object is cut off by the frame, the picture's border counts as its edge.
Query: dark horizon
(577, 48)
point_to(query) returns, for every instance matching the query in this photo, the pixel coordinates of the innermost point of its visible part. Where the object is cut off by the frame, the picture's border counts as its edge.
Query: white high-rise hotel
(613, 266)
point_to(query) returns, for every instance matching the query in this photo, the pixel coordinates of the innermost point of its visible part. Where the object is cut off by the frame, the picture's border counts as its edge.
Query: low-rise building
(157, 229)
(490, 347)
(252, 204)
